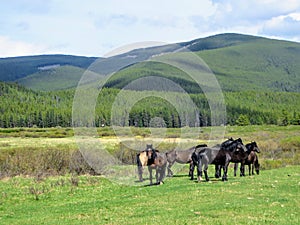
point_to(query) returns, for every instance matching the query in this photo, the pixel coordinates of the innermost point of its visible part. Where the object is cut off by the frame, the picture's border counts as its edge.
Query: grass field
(28, 198)
(269, 198)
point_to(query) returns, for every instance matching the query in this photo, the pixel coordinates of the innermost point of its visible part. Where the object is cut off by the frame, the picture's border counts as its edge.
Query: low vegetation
(268, 198)
(53, 151)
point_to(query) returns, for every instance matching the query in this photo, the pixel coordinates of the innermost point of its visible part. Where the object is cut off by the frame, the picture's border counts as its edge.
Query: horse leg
(157, 172)
(217, 171)
(242, 169)
(253, 168)
(191, 172)
(140, 173)
(235, 168)
(199, 170)
(256, 167)
(225, 168)
(249, 168)
(150, 174)
(170, 173)
(205, 171)
(162, 170)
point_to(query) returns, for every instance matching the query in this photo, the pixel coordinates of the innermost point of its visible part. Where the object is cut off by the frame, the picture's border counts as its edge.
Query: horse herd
(200, 156)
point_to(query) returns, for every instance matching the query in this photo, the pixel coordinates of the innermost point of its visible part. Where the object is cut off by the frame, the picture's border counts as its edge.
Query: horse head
(252, 147)
(240, 145)
(255, 148)
(151, 153)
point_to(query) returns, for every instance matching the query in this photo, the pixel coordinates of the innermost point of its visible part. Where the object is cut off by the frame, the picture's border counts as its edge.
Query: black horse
(183, 157)
(153, 159)
(221, 155)
(251, 160)
(222, 145)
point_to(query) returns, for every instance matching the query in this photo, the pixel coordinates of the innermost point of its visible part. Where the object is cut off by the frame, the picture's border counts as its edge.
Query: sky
(98, 27)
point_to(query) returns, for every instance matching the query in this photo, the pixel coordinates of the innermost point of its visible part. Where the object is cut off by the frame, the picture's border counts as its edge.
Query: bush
(42, 162)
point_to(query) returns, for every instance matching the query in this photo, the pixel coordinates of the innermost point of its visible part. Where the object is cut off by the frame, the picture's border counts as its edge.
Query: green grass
(269, 198)
(60, 78)
(36, 198)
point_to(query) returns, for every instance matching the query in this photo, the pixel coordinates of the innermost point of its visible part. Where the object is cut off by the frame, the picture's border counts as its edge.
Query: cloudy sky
(96, 27)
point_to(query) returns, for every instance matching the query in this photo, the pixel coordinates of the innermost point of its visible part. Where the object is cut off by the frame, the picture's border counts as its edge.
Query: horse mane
(201, 146)
(227, 142)
(230, 146)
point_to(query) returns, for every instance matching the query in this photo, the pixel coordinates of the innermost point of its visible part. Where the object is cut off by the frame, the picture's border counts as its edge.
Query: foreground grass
(269, 198)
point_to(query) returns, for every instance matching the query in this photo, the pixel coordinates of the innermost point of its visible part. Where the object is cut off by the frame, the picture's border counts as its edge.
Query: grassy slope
(260, 65)
(255, 64)
(269, 198)
(59, 78)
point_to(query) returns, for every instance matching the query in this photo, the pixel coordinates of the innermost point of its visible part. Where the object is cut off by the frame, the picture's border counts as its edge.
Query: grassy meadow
(37, 186)
(269, 198)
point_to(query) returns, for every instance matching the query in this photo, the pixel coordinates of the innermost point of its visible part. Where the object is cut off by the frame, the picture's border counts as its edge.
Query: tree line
(21, 107)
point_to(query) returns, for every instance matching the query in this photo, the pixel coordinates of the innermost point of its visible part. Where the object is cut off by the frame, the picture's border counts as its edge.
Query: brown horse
(153, 159)
(251, 160)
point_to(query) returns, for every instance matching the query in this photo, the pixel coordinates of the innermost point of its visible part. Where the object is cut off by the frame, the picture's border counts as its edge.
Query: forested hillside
(21, 107)
(259, 77)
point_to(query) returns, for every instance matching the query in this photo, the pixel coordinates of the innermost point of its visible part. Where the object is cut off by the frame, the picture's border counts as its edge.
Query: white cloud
(10, 48)
(97, 27)
(286, 26)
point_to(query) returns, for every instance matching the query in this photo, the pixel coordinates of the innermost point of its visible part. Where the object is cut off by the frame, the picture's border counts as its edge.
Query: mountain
(239, 62)
(14, 68)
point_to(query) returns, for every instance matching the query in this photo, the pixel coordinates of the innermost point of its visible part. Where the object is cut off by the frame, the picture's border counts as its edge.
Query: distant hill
(240, 63)
(53, 78)
(14, 68)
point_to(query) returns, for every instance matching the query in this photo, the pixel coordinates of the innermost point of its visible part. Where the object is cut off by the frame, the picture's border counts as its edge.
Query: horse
(223, 144)
(183, 157)
(252, 159)
(218, 155)
(153, 159)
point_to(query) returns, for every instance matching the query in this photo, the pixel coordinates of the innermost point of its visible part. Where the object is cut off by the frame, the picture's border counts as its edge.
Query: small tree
(283, 120)
(243, 120)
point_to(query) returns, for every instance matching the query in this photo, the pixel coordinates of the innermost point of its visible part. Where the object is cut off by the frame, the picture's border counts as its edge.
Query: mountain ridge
(239, 62)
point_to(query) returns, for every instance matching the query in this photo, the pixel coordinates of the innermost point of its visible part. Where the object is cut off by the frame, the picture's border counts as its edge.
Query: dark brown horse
(218, 155)
(251, 160)
(183, 157)
(153, 159)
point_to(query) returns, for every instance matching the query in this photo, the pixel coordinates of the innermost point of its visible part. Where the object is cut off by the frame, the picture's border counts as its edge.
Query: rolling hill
(53, 78)
(14, 68)
(240, 63)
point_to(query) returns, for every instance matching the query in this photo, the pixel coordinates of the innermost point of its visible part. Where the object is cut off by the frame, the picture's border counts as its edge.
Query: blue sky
(96, 27)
